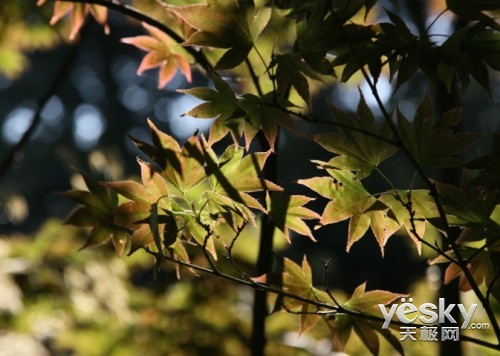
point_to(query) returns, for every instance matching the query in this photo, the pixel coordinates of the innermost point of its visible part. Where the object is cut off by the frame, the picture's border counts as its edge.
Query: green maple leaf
(183, 167)
(220, 104)
(224, 24)
(365, 302)
(134, 213)
(261, 113)
(239, 116)
(419, 202)
(357, 151)
(292, 71)
(233, 175)
(434, 143)
(297, 280)
(350, 200)
(288, 213)
(99, 204)
(368, 301)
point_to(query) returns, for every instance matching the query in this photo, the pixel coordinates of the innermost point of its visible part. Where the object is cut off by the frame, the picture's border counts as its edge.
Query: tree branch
(59, 78)
(140, 16)
(330, 309)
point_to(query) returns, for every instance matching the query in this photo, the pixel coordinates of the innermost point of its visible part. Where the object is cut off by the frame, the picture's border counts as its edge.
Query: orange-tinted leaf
(77, 13)
(140, 238)
(162, 53)
(368, 301)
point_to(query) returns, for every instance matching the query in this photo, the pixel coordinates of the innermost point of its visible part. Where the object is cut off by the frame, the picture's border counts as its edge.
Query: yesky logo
(429, 313)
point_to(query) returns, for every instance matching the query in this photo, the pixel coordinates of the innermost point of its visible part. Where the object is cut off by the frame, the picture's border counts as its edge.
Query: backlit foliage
(191, 198)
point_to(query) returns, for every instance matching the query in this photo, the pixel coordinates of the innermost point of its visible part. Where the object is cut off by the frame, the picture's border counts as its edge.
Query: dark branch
(59, 78)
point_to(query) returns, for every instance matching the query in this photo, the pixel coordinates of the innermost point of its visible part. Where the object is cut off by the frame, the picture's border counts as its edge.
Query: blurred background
(57, 300)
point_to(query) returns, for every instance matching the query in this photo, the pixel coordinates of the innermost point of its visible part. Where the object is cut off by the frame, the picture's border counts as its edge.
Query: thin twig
(330, 309)
(492, 282)
(482, 248)
(461, 262)
(230, 258)
(326, 264)
(254, 77)
(316, 120)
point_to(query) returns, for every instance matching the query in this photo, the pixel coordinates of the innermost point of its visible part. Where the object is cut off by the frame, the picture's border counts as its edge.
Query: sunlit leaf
(288, 213)
(298, 281)
(183, 167)
(365, 302)
(411, 209)
(77, 13)
(350, 200)
(220, 104)
(358, 151)
(231, 24)
(162, 53)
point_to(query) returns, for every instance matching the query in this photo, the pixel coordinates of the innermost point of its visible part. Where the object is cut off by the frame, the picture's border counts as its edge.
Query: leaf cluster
(191, 195)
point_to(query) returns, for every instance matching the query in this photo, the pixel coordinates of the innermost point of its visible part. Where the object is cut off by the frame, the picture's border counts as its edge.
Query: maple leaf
(357, 151)
(78, 13)
(482, 264)
(292, 71)
(466, 207)
(220, 104)
(132, 214)
(350, 200)
(421, 136)
(364, 302)
(183, 167)
(224, 24)
(297, 280)
(234, 175)
(239, 116)
(99, 204)
(261, 113)
(152, 190)
(488, 167)
(161, 53)
(288, 213)
(476, 10)
(411, 209)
